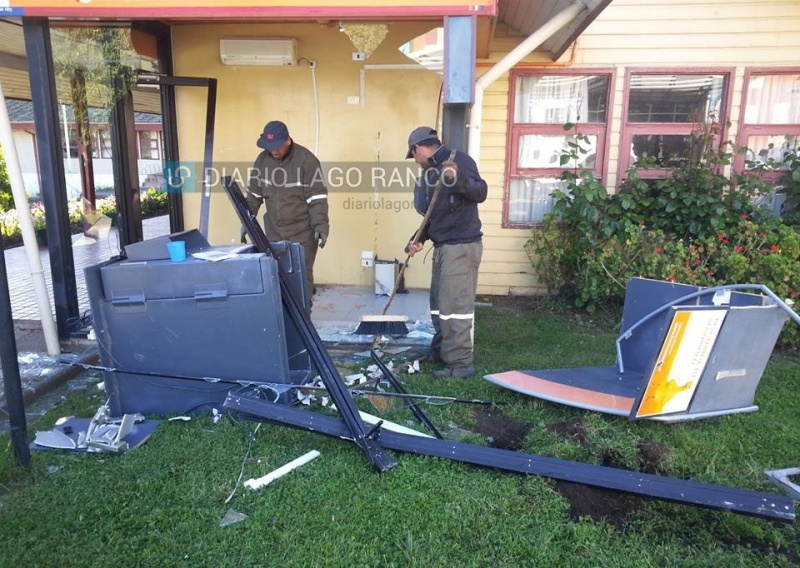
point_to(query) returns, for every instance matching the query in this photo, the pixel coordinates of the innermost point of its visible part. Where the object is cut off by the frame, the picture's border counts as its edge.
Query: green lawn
(161, 504)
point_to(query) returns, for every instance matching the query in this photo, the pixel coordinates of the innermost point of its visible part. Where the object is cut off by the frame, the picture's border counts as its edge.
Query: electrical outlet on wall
(367, 259)
(359, 56)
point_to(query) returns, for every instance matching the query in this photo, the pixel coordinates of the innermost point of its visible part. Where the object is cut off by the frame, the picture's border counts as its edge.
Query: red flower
(697, 260)
(737, 248)
(744, 215)
(657, 250)
(721, 237)
(775, 248)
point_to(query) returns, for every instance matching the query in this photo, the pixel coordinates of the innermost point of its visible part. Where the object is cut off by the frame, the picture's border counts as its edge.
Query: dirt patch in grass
(500, 430)
(569, 430)
(653, 456)
(612, 507)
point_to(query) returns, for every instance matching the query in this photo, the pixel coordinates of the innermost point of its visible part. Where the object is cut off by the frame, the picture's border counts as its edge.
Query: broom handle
(417, 235)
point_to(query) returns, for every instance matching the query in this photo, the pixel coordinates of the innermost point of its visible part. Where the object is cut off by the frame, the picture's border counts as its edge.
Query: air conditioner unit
(275, 51)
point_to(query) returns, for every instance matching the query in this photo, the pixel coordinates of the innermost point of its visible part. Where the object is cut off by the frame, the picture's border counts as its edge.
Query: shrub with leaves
(696, 227)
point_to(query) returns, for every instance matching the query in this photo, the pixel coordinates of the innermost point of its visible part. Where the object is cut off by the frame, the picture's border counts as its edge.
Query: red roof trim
(271, 12)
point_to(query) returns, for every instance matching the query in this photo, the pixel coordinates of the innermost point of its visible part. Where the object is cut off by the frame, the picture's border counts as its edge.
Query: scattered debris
(781, 478)
(281, 471)
(232, 517)
(101, 433)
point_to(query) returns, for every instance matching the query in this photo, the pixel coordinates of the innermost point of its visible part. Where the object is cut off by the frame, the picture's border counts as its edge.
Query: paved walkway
(86, 251)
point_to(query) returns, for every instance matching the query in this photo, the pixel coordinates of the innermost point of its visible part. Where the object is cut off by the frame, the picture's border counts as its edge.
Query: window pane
(668, 150)
(544, 151)
(148, 144)
(529, 199)
(773, 150)
(675, 98)
(558, 99)
(773, 99)
(104, 139)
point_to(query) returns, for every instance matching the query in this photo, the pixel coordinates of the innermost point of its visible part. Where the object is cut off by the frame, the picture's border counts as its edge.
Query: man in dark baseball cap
(274, 136)
(287, 178)
(454, 227)
(420, 135)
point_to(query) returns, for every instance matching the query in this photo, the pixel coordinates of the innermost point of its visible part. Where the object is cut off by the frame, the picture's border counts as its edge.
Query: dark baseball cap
(418, 136)
(274, 136)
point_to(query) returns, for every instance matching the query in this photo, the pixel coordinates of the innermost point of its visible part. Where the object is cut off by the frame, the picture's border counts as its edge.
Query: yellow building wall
(676, 34)
(351, 136)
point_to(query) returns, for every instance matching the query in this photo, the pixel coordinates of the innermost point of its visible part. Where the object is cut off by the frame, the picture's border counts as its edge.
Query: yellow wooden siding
(675, 35)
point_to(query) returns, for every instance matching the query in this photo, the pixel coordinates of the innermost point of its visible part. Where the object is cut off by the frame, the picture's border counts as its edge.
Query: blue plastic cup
(177, 251)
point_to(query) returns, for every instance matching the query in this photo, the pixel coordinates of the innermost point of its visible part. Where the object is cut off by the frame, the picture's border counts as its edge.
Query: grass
(160, 505)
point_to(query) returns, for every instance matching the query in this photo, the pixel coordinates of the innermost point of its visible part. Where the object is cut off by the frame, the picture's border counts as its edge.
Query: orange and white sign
(681, 361)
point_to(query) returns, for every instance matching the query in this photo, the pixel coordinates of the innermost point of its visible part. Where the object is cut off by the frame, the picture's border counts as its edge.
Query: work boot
(455, 372)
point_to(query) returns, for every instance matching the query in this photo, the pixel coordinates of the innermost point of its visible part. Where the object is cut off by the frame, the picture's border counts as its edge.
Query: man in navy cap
(287, 178)
(455, 229)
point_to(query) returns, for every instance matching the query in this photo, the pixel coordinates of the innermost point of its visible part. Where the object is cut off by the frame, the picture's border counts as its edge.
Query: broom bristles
(382, 325)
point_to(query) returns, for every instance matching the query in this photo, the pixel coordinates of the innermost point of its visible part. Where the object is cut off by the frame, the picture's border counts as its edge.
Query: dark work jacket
(455, 214)
(293, 190)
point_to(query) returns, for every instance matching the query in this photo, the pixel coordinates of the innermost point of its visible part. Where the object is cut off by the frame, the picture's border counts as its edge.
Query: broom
(396, 325)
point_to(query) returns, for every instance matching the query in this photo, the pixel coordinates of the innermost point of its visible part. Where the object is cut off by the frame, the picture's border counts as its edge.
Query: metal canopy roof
(526, 16)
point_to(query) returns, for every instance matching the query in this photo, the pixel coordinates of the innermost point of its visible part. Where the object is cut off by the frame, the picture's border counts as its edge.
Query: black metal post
(10, 366)
(51, 170)
(125, 168)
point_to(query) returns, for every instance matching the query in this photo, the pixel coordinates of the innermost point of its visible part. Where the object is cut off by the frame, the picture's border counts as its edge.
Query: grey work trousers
(454, 283)
(310, 247)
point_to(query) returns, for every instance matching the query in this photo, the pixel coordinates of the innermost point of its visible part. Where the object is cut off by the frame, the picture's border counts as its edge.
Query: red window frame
(631, 129)
(747, 130)
(516, 131)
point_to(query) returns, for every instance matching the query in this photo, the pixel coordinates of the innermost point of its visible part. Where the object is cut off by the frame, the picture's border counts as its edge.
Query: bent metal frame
(373, 442)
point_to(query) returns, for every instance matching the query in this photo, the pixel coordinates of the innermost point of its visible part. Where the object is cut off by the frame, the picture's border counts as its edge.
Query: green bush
(695, 227)
(6, 198)
(153, 203)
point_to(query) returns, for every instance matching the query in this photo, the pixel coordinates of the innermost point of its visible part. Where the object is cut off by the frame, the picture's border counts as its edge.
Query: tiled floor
(337, 309)
(86, 251)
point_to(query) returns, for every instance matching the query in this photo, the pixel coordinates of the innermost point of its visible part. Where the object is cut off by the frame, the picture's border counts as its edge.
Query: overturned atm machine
(177, 337)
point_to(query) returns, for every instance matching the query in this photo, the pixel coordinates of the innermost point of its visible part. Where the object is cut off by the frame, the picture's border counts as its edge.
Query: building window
(542, 105)
(770, 125)
(102, 143)
(149, 144)
(662, 111)
(72, 144)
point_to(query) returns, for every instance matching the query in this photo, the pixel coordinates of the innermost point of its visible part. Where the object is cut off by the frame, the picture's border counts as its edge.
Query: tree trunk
(80, 107)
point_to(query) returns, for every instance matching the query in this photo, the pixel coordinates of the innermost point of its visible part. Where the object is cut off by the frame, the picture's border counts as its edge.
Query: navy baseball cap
(418, 136)
(274, 136)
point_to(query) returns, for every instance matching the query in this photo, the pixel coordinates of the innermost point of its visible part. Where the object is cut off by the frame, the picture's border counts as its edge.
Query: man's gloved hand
(321, 237)
(243, 235)
(449, 173)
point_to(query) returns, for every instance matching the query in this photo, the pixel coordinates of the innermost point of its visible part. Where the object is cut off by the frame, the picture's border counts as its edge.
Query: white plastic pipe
(281, 471)
(26, 227)
(513, 57)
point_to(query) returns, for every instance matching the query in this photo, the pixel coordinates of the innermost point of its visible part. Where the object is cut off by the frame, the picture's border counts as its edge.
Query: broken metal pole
(375, 454)
(734, 500)
(396, 385)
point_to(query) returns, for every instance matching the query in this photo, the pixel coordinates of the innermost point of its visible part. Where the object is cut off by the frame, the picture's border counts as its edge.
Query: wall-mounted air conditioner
(272, 51)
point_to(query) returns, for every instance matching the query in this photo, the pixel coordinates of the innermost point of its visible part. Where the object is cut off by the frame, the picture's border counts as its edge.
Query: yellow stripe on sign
(661, 387)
